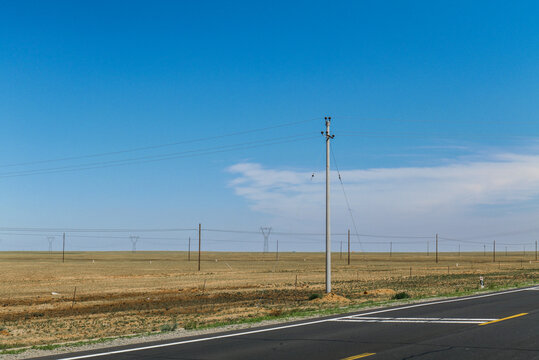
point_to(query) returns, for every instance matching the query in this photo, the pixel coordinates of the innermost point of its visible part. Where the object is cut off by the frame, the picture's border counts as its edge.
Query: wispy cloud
(464, 197)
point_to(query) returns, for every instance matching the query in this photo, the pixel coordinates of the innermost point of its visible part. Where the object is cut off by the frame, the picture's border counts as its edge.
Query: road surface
(503, 325)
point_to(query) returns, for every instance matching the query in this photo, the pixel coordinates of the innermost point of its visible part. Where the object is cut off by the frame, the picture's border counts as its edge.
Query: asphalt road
(502, 325)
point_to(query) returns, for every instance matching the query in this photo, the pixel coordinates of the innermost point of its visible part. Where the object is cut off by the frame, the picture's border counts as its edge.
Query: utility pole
(428, 252)
(494, 251)
(64, 248)
(340, 253)
(535, 250)
(349, 246)
(134, 240)
(436, 248)
(189, 250)
(390, 248)
(506, 250)
(459, 250)
(484, 250)
(199, 243)
(277, 252)
(266, 231)
(328, 137)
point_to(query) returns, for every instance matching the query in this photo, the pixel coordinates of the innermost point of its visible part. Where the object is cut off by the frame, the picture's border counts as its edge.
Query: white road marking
(369, 319)
(283, 327)
(534, 288)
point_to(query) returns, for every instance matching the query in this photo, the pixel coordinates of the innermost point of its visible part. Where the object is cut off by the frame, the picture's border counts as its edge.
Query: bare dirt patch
(125, 293)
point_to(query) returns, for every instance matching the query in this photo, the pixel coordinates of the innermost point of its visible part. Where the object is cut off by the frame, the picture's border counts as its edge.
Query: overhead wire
(155, 158)
(346, 198)
(157, 146)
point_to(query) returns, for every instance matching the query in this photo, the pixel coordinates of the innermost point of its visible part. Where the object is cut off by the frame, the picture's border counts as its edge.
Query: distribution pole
(340, 253)
(484, 250)
(436, 248)
(535, 250)
(349, 246)
(199, 242)
(328, 137)
(428, 252)
(459, 250)
(189, 250)
(64, 248)
(390, 248)
(277, 252)
(494, 251)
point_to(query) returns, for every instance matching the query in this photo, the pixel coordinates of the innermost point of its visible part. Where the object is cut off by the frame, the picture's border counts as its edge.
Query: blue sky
(416, 89)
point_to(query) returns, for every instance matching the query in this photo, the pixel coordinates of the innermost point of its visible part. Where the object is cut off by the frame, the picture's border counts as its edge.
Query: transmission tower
(266, 231)
(50, 239)
(134, 240)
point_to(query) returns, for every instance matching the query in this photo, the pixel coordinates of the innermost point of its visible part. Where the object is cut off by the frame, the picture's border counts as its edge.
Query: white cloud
(463, 198)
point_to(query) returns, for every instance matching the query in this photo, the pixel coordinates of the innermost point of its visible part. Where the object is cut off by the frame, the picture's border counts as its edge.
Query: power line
(434, 136)
(346, 199)
(95, 230)
(151, 147)
(155, 158)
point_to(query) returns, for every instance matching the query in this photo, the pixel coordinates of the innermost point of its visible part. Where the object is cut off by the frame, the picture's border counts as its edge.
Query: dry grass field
(95, 295)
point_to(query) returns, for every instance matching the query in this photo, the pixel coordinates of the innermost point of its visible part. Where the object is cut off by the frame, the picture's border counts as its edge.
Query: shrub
(401, 295)
(315, 296)
(169, 327)
(190, 325)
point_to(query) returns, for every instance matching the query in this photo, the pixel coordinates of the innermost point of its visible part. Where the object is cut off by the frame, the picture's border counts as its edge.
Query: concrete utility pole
(390, 248)
(189, 250)
(328, 137)
(428, 252)
(494, 251)
(436, 248)
(535, 250)
(64, 248)
(266, 231)
(277, 252)
(134, 240)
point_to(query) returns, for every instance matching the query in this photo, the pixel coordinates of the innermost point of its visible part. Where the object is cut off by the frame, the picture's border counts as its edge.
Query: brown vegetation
(126, 293)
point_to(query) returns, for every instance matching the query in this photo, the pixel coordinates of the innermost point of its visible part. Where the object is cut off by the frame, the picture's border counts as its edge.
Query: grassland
(96, 295)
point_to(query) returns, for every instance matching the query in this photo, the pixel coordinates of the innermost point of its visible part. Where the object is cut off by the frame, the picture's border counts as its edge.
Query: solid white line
(414, 318)
(413, 321)
(282, 327)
